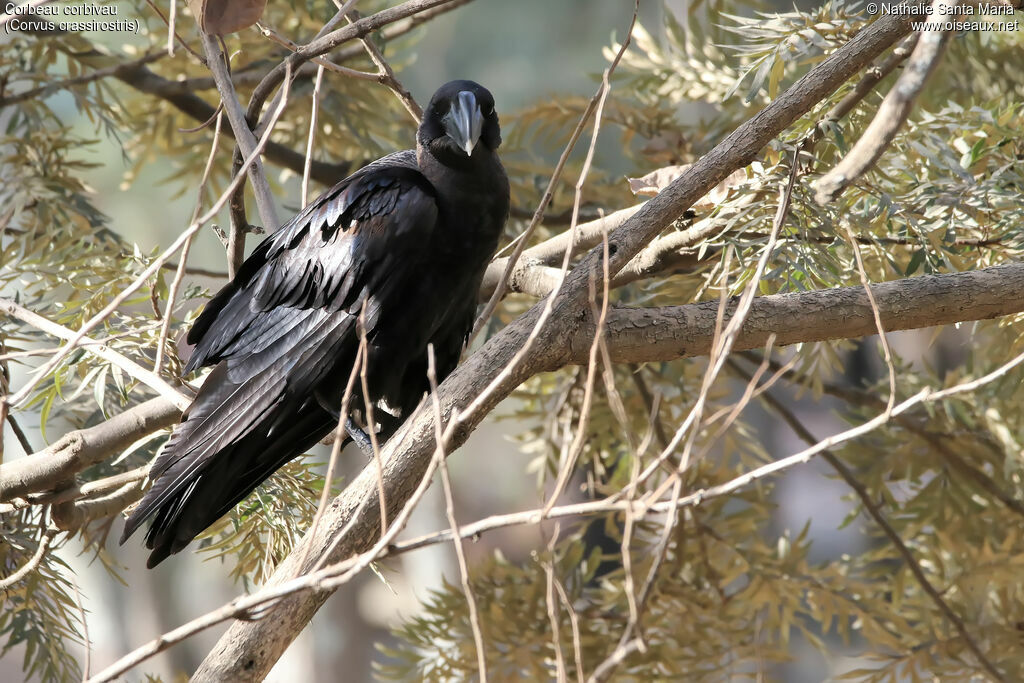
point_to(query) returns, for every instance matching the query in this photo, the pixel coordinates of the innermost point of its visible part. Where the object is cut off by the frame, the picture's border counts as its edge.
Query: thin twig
(20, 434)
(200, 272)
(314, 110)
(33, 563)
(886, 351)
(87, 643)
(723, 345)
(179, 275)
(552, 610)
(246, 141)
(568, 466)
(386, 75)
(574, 622)
(332, 463)
(873, 75)
(449, 501)
(549, 304)
(371, 425)
(322, 62)
(150, 270)
(171, 33)
(608, 666)
(170, 27)
(522, 239)
(133, 369)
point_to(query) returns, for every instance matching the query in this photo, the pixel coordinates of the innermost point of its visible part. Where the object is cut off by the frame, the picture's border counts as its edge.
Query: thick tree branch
(79, 449)
(75, 514)
(637, 335)
(249, 649)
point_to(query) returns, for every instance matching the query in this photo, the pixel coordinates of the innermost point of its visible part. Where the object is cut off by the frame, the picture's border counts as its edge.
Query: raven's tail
(192, 490)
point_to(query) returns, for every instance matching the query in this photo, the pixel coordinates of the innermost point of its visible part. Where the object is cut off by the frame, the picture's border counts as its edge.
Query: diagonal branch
(891, 115)
(328, 42)
(246, 140)
(133, 369)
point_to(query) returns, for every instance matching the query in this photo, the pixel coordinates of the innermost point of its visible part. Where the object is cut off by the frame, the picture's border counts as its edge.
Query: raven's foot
(361, 438)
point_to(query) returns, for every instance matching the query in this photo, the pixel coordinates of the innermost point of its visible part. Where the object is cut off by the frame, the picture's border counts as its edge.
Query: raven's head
(459, 124)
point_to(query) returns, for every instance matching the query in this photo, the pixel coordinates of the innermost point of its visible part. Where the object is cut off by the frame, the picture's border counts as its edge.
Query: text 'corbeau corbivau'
(404, 242)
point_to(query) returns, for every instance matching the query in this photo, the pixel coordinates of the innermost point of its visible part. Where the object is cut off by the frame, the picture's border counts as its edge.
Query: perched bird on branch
(403, 244)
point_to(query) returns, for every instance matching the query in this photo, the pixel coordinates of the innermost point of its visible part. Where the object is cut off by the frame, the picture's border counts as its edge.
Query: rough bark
(637, 335)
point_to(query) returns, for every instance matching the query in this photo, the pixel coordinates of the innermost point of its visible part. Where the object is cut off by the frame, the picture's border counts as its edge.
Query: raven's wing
(286, 321)
(329, 257)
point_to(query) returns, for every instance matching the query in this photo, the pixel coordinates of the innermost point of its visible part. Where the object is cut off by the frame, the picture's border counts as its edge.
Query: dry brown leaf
(656, 181)
(220, 17)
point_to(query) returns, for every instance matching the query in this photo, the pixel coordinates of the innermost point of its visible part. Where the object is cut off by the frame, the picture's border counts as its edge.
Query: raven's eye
(487, 109)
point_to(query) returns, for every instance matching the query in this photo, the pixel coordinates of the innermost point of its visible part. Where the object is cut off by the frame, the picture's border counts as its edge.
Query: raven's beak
(464, 122)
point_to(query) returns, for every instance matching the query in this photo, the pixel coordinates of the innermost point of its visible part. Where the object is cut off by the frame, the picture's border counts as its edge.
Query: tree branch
(551, 251)
(936, 440)
(246, 141)
(133, 369)
(77, 450)
(658, 334)
(891, 115)
(328, 42)
(75, 514)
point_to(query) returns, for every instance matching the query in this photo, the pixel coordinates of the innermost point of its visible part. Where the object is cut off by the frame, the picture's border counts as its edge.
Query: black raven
(403, 242)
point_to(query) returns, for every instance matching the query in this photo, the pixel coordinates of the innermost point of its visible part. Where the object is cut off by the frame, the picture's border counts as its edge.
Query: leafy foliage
(39, 612)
